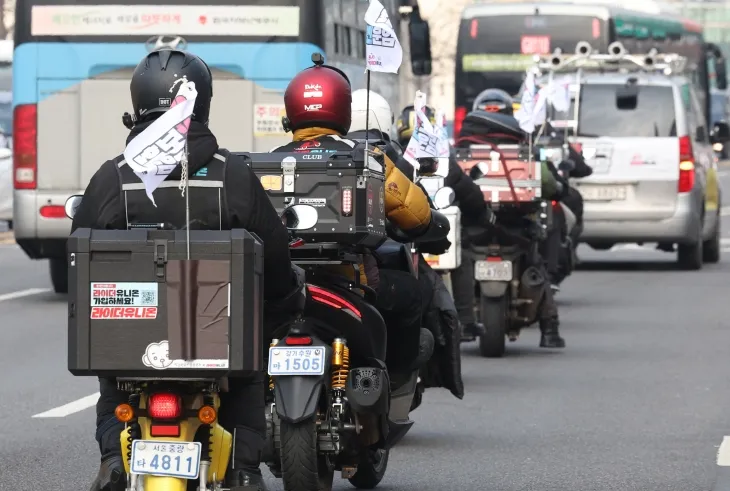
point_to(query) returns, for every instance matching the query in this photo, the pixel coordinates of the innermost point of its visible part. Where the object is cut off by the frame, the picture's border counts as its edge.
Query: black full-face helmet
(494, 101)
(156, 79)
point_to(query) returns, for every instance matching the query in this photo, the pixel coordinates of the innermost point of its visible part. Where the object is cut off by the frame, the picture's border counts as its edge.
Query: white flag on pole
(159, 149)
(383, 52)
(526, 113)
(425, 141)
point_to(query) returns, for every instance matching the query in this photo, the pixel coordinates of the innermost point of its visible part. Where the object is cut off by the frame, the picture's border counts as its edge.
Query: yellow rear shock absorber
(340, 363)
(274, 342)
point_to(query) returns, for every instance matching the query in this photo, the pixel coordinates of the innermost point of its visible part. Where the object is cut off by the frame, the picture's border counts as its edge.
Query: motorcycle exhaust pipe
(616, 49)
(583, 48)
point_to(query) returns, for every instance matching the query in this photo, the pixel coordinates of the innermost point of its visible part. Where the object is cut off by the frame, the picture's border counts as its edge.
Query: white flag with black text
(383, 52)
(159, 149)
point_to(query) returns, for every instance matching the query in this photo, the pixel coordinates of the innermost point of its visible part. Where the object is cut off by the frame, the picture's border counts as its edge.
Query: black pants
(241, 413)
(400, 302)
(462, 282)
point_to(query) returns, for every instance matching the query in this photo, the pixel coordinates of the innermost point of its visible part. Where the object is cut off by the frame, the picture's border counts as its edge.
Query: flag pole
(367, 108)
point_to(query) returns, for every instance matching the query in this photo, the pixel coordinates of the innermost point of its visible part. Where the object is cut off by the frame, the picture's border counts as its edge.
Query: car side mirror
(420, 44)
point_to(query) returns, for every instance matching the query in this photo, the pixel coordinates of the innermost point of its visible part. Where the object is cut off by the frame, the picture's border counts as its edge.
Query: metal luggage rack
(617, 59)
(326, 253)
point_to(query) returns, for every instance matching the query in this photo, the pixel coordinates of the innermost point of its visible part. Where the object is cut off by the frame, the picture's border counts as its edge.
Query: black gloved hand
(535, 231)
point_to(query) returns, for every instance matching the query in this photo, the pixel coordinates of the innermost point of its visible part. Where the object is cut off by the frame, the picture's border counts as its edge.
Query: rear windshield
(653, 115)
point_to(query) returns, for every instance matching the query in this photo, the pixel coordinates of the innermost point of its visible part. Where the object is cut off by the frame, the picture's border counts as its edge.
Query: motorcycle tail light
(158, 430)
(298, 341)
(164, 406)
(346, 201)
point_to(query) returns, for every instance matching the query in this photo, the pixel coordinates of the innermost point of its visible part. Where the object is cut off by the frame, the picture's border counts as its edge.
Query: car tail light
(494, 259)
(53, 211)
(474, 28)
(686, 165)
(346, 201)
(158, 430)
(555, 204)
(164, 406)
(298, 341)
(328, 298)
(25, 146)
(459, 116)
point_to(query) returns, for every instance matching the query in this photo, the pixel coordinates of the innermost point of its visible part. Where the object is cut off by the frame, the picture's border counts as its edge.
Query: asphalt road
(639, 400)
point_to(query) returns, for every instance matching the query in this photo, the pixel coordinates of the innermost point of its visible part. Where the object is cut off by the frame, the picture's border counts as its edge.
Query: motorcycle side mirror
(444, 198)
(300, 217)
(72, 204)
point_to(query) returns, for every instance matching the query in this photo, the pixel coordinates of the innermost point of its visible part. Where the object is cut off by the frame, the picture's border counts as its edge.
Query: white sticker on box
(124, 294)
(157, 356)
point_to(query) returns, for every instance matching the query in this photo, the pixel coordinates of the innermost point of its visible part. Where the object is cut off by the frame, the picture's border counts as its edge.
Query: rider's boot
(245, 481)
(245, 474)
(550, 337)
(111, 475)
(471, 331)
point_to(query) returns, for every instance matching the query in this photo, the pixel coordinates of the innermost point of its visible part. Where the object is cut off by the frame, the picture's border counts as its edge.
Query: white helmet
(381, 115)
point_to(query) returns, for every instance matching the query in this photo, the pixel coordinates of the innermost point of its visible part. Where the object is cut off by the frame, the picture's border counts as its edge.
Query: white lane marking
(723, 453)
(23, 293)
(725, 211)
(70, 408)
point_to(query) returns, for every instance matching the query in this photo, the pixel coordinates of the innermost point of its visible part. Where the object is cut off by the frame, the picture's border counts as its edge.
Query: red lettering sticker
(535, 45)
(123, 313)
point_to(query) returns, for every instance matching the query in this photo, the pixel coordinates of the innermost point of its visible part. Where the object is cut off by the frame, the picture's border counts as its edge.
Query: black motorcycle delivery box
(137, 307)
(347, 188)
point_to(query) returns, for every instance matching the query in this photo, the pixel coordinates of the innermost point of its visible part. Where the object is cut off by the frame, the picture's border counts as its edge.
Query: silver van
(654, 173)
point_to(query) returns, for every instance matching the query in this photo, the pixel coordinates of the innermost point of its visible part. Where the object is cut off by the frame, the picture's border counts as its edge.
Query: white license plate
(159, 458)
(493, 270)
(603, 193)
(293, 360)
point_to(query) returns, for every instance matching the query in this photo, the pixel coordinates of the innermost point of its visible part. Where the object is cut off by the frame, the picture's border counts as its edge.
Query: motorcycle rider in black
(473, 209)
(498, 101)
(439, 314)
(225, 194)
(319, 124)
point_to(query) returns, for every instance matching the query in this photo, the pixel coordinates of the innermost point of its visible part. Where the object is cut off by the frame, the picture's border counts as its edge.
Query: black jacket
(467, 194)
(244, 204)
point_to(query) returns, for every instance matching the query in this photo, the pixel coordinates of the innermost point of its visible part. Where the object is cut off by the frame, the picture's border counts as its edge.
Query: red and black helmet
(319, 96)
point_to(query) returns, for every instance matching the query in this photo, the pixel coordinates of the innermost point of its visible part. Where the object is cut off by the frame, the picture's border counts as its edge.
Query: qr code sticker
(149, 298)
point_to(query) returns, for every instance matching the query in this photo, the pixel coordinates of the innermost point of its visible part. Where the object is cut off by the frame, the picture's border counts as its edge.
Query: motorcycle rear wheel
(371, 468)
(495, 317)
(302, 467)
